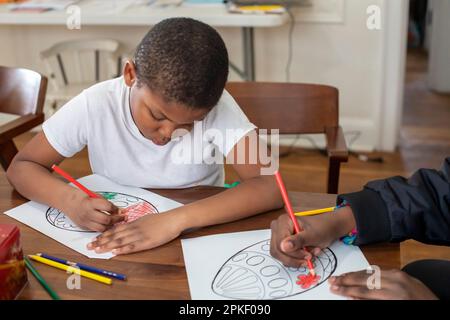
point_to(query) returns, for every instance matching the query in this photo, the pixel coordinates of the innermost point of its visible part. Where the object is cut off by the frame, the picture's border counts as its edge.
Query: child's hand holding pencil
(319, 231)
(88, 209)
(90, 213)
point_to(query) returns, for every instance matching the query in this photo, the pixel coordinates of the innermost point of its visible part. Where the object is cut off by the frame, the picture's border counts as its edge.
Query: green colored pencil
(41, 280)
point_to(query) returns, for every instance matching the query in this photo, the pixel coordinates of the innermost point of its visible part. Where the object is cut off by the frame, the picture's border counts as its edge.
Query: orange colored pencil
(297, 227)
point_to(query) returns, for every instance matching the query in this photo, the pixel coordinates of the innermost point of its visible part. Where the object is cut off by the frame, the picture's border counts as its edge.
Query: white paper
(56, 225)
(43, 4)
(239, 266)
(109, 6)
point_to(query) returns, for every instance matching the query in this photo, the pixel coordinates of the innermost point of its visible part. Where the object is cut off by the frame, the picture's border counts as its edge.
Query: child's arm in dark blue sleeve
(397, 209)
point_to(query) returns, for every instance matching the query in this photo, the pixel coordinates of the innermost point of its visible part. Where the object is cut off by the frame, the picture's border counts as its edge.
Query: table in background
(100, 13)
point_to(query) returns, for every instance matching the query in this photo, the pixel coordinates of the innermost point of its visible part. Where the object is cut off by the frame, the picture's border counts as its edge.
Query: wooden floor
(425, 142)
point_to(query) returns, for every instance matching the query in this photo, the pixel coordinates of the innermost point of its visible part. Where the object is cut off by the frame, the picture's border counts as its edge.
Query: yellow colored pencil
(314, 212)
(61, 266)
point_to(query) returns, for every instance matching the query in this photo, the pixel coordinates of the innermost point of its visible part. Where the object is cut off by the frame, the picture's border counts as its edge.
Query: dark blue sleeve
(396, 209)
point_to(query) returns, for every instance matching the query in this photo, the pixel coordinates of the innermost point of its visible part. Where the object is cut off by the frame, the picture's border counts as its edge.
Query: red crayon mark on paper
(137, 211)
(307, 281)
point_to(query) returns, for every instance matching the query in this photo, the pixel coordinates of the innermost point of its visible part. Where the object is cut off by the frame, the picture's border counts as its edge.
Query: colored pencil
(288, 205)
(71, 269)
(84, 267)
(69, 178)
(314, 212)
(41, 280)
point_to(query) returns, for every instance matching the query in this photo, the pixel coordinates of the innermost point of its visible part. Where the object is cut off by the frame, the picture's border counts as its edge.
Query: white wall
(333, 48)
(439, 62)
(345, 55)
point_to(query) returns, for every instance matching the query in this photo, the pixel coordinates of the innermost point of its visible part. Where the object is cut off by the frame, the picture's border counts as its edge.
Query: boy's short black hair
(185, 61)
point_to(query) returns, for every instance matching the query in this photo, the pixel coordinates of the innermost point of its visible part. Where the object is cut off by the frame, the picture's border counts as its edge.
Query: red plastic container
(13, 275)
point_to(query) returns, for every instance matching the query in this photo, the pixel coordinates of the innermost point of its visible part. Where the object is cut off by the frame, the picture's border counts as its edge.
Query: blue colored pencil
(85, 267)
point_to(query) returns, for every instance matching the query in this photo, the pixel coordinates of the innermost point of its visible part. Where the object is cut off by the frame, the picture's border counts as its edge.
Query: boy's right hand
(319, 231)
(87, 212)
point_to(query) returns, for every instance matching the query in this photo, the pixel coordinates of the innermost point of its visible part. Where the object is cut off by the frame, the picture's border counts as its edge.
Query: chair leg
(333, 176)
(7, 152)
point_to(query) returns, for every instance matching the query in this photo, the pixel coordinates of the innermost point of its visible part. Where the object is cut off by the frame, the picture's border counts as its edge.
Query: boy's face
(156, 118)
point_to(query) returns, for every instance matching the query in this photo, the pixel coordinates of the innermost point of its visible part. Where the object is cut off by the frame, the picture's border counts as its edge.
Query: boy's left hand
(144, 233)
(394, 285)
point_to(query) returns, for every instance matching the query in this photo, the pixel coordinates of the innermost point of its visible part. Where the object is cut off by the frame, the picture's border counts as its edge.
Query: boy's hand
(319, 231)
(144, 233)
(87, 212)
(394, 285)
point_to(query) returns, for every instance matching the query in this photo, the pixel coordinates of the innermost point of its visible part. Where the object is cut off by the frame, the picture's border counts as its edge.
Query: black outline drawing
(55, 216)
(251, 271)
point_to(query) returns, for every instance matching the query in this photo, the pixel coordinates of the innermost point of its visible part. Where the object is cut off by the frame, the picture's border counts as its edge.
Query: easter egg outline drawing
(253, 274)
(121, 200)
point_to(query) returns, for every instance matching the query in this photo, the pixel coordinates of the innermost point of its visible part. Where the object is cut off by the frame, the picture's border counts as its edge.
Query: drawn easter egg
(133, 207)
(253, 273)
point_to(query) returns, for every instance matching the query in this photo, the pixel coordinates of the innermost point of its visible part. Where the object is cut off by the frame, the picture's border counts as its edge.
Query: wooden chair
(78, 64)
(295, 108)
(22, 92)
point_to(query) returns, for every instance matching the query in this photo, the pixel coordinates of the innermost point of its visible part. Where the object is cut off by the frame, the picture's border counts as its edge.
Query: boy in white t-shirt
(134, 127)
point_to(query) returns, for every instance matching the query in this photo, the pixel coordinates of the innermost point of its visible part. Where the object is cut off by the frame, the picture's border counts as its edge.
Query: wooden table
(158, 273)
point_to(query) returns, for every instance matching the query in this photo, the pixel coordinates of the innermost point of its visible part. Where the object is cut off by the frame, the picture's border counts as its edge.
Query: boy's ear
(129, 73)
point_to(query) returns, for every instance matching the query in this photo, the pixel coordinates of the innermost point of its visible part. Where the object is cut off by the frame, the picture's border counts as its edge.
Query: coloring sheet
(239, 266)
(52, 222)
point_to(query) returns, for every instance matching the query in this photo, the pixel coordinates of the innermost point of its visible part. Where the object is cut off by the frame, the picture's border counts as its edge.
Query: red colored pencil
(68, 177)
(297, 227)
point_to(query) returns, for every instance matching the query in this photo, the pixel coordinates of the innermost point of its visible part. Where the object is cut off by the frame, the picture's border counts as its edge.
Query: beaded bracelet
(350, 238)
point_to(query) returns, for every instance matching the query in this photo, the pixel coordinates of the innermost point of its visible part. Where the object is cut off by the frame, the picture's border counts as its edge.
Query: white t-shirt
(100, 118)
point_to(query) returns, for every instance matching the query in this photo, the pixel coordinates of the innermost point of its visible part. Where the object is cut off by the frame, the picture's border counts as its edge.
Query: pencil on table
(61, 266)
(41, 280)
(84, 267)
